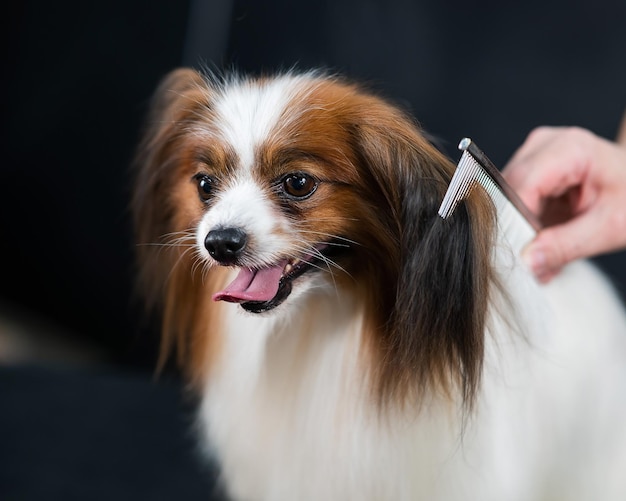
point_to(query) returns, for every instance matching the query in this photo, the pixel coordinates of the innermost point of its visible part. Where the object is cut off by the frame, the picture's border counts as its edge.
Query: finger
(551, 162)
(531, 163)
(558, 245)
(521, 164)
(547, 277)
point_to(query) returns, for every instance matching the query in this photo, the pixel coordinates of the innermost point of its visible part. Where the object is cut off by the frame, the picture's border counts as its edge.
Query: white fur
(244, 205)
(289, 418)
(246, 115)
(287, 412)
(249, 113)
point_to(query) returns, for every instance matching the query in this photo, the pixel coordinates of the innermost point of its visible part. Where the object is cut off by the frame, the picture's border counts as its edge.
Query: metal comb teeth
(474, 168)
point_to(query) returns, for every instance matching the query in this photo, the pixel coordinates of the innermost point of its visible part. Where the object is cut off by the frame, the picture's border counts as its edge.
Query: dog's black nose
(225, 245)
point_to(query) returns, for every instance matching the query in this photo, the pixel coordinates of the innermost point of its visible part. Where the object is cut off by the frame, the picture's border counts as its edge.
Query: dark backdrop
(76, 79)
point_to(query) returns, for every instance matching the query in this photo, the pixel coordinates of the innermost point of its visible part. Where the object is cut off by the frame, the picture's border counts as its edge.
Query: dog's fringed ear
(162, 272)
(433, 337)
(154, 168)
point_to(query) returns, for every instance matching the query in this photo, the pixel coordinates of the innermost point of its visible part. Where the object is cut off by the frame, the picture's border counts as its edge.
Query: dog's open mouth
(260, 290)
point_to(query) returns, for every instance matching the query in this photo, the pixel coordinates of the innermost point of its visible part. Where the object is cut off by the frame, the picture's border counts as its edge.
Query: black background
(77, 78)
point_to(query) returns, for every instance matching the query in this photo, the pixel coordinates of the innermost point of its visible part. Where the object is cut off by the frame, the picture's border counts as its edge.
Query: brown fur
(425, 281)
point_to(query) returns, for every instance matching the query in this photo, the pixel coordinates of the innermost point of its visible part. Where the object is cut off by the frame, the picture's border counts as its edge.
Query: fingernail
(535, 259)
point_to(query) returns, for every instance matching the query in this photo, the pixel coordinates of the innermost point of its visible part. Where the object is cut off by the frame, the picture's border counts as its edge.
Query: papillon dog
(346, 342)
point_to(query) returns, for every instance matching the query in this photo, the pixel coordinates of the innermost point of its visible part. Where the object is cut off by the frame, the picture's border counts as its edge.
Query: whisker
(329, 265)
(197, 263)
(178, 261)
(334, 237)
(172, 244)
(184, 238)
(206, 267)
(336, 244)
(309, 249)
(188, 233)
(325, 219)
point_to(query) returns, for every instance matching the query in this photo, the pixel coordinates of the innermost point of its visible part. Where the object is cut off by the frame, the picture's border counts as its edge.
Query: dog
(345, 342)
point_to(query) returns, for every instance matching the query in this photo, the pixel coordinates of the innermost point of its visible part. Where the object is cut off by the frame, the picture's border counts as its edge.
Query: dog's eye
(205, 186)
(299, 185)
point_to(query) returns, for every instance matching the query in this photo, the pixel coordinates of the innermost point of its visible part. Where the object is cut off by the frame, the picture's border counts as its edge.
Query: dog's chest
(293, 404)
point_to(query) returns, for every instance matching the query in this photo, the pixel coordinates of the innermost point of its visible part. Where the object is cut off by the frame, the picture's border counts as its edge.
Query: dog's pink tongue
(252, 285)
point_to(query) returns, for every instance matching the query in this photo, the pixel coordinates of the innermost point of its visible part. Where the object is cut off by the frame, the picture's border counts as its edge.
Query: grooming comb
(474, 168)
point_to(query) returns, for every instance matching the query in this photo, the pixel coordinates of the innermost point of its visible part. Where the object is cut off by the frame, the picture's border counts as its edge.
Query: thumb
(556, 246)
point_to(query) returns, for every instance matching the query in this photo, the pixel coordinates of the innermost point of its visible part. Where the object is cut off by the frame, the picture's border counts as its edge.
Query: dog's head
(262, 191)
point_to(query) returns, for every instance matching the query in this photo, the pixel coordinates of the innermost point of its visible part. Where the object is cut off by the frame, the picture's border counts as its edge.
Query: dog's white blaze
(248, 114)
(244, 204)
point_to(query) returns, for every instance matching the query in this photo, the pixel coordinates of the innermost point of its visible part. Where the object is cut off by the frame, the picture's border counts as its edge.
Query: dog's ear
(154, 169)
(164, 155)
(433, 331)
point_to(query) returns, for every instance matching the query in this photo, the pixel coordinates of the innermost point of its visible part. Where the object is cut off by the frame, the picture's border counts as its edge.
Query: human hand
(575, 182)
